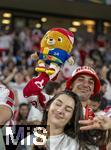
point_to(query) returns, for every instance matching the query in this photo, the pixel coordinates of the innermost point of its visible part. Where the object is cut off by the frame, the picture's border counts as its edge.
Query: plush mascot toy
(56, 46)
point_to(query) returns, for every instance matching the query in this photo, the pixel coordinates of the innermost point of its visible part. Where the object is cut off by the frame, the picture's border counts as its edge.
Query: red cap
(86, 71)
(67, 33)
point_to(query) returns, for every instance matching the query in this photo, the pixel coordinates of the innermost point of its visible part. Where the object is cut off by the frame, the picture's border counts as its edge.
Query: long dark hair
(72, 128)
(93, 138)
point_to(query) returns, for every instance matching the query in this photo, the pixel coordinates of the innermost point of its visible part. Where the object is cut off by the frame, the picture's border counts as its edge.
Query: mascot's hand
(34, 56)
(46, 51)
(71, 60)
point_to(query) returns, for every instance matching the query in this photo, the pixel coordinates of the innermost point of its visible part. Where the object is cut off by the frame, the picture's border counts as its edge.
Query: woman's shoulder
(63, 141)
(70, 143)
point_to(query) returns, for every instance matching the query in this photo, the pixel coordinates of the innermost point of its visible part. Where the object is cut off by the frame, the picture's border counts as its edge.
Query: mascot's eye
(60, 39)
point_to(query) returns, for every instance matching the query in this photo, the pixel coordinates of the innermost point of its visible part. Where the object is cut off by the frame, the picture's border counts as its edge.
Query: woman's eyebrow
(66, 105)
(59, 100)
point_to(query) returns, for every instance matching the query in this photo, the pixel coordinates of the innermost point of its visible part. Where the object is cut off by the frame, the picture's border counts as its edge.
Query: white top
(58, 142)
(62, 142)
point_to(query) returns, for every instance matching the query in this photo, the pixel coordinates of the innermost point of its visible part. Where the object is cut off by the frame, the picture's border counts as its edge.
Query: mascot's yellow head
(58, 38)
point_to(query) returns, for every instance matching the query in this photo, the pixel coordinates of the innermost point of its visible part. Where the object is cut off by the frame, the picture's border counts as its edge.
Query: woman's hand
(100, 122)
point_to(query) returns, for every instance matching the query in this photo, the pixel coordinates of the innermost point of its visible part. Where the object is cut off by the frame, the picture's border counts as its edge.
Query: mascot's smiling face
(55, 39)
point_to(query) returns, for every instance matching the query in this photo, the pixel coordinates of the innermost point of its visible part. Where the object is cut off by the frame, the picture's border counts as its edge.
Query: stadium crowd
(17, 70)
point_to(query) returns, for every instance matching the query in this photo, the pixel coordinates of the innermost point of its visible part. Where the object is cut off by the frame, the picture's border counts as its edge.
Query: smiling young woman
(62, 115)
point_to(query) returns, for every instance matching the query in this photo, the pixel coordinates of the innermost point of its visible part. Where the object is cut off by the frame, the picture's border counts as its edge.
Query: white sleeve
(6, 97)
(35, 114)
(47, 97)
